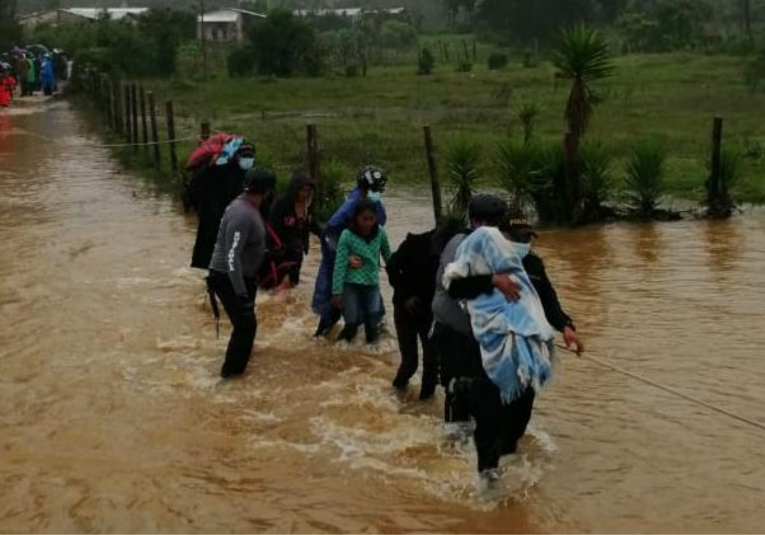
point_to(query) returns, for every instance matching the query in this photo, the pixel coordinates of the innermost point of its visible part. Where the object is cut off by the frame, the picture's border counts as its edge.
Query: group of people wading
(24, 72)
(476, 299)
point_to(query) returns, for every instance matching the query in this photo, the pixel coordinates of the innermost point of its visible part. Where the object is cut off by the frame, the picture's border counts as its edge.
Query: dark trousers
(244, 323)
(470, 392)
(459, 360)
(499, 427)
(410, 329)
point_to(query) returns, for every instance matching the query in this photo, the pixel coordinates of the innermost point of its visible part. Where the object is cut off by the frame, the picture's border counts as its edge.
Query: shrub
(497, 61)
(646, 168)
(519, 168)
(528, 113)
(462, 161)
(285, 45)
(241, 61)
(329, 192)
(397, 35)
(189, 62)
(426, 62)
(464, 66)
(549, 200)
(754, 71)
(595, 180)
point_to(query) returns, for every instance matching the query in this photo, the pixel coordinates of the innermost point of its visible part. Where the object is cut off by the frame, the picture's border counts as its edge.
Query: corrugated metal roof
(115, 13)
(228, 15)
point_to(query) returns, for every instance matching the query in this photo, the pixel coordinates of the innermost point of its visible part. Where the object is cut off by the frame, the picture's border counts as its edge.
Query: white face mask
(374, 196)
(523, 249)
(246, 163)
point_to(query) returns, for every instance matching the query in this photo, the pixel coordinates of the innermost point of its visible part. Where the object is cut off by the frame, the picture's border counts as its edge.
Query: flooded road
(113, 418)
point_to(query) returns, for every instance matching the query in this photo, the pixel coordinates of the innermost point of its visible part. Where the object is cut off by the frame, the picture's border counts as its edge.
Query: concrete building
(225, 26)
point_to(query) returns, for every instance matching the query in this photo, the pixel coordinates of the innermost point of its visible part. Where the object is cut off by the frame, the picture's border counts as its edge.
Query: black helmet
(489, 208)
(259, 180)
(372, 177)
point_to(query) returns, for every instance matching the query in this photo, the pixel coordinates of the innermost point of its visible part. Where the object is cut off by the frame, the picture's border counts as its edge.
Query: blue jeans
(362, 304)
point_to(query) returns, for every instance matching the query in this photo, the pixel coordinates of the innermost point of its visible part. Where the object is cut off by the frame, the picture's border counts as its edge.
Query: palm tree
(583, 57)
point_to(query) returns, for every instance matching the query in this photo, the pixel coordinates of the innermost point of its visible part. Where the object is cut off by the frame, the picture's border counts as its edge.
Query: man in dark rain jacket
(210, 192)
(412, 273)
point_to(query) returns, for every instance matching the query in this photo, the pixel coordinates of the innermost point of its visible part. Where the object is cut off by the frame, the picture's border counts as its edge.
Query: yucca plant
(646, 168)
(596, 180)
(462, 167)
(582, 56)
(528, 113)
(721, 205)
(329, 192)
(519, 171)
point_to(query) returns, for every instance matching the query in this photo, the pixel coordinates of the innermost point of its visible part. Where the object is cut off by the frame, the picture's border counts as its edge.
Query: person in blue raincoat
(48, 75)
(370, 182)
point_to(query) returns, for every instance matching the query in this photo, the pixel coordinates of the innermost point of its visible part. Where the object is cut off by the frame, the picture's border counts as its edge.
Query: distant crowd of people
(26, 71)
(473, 296)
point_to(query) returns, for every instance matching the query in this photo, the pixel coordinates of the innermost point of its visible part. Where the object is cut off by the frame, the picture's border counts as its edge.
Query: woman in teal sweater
(357, 291)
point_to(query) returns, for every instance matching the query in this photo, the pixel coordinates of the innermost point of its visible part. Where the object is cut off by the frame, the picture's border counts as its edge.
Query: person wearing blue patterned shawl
(516, 340)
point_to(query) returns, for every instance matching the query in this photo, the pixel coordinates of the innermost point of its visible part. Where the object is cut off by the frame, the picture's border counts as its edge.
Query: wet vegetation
(556, 109)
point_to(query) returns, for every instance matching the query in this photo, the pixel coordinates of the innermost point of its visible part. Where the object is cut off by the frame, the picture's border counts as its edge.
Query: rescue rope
(665, 388)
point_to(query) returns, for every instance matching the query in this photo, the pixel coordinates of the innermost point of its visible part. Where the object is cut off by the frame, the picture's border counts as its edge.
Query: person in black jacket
(412, 273)
(291, 219)
(499, 427)
(210, 191)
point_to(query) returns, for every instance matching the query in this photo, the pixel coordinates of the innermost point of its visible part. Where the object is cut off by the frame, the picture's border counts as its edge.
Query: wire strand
(147, 144)
(667, 389)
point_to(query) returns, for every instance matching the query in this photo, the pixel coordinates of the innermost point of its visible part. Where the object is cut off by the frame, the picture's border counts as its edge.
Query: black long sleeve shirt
(472, 287)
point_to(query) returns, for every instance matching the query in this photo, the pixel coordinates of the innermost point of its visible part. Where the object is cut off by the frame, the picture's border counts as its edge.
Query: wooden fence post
(205, 130)
(117, 104)
(435, 183)
(715, 182)
(171, 135)
(154, 129)
(144, 129)
(108, 103)
(128, 115)
(134, 118)
(312, 142)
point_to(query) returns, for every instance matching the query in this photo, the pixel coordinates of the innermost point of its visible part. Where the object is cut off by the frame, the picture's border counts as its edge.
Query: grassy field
(379, 118)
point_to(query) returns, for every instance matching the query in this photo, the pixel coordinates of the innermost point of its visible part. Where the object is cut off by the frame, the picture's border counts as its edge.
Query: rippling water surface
(113, 418)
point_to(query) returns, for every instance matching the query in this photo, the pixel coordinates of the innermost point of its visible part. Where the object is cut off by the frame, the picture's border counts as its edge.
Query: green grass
(379, 118)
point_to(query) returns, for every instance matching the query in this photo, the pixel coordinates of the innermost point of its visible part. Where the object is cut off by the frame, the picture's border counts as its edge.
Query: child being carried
(517, 342)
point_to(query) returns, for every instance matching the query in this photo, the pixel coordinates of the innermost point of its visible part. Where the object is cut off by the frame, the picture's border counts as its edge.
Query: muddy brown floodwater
(113, 419)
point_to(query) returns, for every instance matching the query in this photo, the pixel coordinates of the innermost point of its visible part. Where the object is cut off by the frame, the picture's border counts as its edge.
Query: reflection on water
(114, 419)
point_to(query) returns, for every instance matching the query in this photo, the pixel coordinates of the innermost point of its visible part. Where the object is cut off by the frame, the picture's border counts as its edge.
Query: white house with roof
(225, 25)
